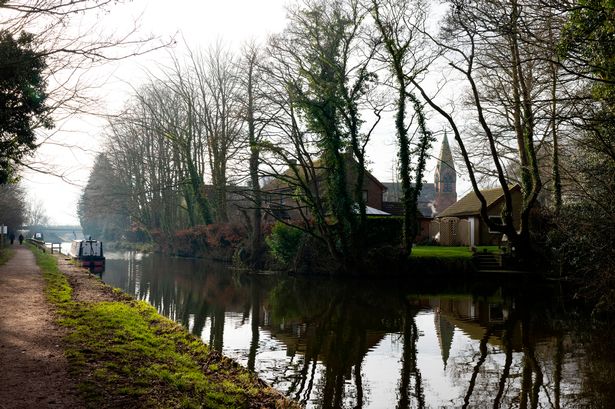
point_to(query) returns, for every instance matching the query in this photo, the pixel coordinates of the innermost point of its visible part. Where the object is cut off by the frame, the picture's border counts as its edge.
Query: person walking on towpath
(34, 369)
(12, 237)
(20, 238)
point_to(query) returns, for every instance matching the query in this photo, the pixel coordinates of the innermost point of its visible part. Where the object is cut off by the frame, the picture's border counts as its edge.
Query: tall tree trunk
(256, 241)
(198, 189)
(529, 162)
(555, 166)
(398, 50)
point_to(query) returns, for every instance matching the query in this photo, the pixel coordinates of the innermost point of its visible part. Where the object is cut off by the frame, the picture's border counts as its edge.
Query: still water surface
(365, 344)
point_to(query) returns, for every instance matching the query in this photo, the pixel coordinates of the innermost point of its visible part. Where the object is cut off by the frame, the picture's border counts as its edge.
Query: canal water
(385, 344)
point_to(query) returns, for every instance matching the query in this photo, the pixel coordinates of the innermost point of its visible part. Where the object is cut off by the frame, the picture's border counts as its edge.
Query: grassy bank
(124, 354)
(448, 251)
(5, 255)
(454, 260)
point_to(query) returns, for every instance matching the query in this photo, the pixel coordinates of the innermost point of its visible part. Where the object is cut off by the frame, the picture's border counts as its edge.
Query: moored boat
(89, 253)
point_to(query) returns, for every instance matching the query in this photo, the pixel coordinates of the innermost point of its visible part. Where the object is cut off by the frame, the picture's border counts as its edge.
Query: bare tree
(181, 129)
(36, 213)
(147, 165)
(489, 46)
(216, 82)
(177, 118)
(12, 206)
(257, 118)
(70, 38)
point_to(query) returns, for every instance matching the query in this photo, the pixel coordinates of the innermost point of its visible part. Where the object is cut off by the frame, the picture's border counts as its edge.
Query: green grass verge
(5, 255)
(448, 251)
(124, 354)
(58, 290)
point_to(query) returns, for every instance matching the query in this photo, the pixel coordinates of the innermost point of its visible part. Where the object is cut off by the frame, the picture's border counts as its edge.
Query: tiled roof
(470, 205)
(425, 201)
(288, 177)
(394, 208)
(393, 192)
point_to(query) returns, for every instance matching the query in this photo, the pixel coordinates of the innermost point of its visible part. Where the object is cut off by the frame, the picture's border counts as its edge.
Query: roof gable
(469, 205)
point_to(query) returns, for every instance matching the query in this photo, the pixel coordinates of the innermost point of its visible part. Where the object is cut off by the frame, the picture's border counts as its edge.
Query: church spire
(446, 156)
(445, 178)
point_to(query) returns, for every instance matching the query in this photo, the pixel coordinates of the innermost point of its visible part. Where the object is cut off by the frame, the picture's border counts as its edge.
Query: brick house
(280, 194)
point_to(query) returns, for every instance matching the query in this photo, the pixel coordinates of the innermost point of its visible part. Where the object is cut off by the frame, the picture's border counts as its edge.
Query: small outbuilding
(461, 223)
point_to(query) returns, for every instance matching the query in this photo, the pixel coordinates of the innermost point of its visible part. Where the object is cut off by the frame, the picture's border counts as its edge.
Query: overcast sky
(198, 23)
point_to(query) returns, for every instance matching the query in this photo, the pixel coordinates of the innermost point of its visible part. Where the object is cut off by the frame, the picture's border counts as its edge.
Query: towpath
(33, 369)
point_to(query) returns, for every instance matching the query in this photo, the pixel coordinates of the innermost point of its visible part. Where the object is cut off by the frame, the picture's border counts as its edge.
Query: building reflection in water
(354, 344)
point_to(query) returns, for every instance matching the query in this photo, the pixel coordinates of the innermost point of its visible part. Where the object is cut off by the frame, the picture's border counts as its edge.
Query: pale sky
(200, 24)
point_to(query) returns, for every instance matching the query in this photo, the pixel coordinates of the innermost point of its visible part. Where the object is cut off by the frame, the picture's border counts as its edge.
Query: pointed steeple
(445, 331)
(445, 178)
(446, 156)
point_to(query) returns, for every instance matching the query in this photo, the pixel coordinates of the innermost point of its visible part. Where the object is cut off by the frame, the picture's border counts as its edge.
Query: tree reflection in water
(409, 367)
(483, 355)
(521, 379)
(350, 344)
(507, 337)
(254, 325)
(341, 324)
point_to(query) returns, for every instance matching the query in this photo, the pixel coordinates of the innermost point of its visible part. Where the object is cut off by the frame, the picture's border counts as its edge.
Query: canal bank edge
(122, 353)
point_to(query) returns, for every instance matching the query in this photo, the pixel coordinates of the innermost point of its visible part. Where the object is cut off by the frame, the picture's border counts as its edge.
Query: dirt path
(33, 369)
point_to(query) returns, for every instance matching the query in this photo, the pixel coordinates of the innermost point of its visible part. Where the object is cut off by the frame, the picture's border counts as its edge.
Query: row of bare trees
(179, 131)
(294, 110)
(297, 108)
(19, 210)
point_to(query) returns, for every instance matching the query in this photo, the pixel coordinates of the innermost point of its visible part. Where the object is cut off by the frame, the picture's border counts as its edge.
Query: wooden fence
(41, 245)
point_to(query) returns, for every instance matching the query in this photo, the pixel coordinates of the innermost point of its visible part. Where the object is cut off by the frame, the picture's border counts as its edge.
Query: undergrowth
(124, 354)
(5, 255)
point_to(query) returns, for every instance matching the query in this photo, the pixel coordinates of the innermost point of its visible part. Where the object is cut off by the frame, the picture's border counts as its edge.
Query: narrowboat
(89, 253)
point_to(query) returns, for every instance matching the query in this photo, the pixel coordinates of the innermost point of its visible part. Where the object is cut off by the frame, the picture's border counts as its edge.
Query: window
(496, 220)
(364, 196)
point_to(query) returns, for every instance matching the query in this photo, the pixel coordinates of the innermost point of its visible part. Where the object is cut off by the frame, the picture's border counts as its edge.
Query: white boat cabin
(86, 249)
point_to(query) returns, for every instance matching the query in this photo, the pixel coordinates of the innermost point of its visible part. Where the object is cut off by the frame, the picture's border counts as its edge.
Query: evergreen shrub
(284, 242)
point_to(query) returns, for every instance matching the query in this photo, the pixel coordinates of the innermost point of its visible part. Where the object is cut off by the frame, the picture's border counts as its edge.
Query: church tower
(445, 179)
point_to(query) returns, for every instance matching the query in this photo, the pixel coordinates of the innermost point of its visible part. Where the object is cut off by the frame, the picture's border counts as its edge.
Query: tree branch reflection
(508, 350)
(409, 367)
(481, 360)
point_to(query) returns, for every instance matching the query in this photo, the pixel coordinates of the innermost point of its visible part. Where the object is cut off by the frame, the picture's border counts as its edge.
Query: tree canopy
(22, 100)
